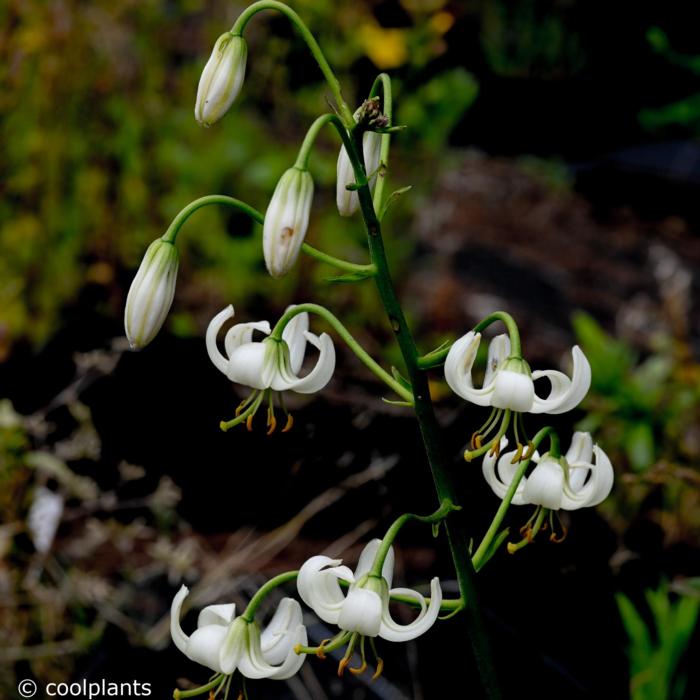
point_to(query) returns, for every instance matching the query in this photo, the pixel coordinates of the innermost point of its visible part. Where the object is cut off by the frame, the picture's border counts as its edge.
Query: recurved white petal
(293, 661)
(318, 586)
(242, 333)
(293, 335)
(321, 373)
(499, 474)
(565, 394)
(204, 644)
(252, 663)
(499, 352)
(213, 329)
(364, 563)
(252, 365)
(598, 486)
(458, 370)
(361, 612)
(217, 615)
(545, 485)
(512, 390)
(279, 635)
(394, 632)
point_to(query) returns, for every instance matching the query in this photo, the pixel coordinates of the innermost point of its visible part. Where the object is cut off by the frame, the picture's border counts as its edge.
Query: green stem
(263, 592)
(505, 504)
(350, 341)
(369, 270)
(384, 82)
(430, 430)
(171, 234)
(302, 161)
(219, 680)
(511, 326)
(446, 507)
(311, 42)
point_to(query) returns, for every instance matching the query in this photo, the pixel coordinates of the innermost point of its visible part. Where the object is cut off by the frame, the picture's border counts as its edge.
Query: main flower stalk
(425, 414)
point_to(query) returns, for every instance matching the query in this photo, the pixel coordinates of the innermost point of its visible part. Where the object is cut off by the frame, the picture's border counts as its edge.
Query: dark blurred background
(553, 153)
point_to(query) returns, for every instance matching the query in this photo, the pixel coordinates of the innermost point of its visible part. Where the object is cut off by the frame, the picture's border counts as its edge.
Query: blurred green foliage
(646, 412)
(655, 651)
(100, 147)
(684, 112)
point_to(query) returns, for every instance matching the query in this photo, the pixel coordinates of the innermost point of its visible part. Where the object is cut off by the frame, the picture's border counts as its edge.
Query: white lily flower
(508, 383)
(226, 643)
(222, 79)
(269, 365)
(365, 607)
(346, 199)
(286, 220)
(582, 478)
(151, 293)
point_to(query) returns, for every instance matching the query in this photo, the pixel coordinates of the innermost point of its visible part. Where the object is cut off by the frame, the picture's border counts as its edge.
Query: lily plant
(272, 360)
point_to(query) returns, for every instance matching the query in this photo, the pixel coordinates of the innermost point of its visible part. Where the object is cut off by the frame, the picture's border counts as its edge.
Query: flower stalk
(425, 414)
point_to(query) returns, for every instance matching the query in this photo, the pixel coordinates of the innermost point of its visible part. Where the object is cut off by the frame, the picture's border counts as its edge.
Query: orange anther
(249, 423)
(272, 424)
(288, 425)
(380, 668)
(360, 669)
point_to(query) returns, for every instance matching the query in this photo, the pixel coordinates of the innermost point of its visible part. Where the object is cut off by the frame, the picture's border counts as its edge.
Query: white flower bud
(346, 199)
(286, 220)
(221, 79)
(151, 293)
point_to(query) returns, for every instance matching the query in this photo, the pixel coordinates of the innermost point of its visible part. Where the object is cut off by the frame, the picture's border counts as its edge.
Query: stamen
(271, 420)
(530, 450)
(378, 659)
(288, 425)
(518, 454)
(564, 530)
(348, 654)
(360, 669)
(493, 446)
(249, 423)
(485, 429)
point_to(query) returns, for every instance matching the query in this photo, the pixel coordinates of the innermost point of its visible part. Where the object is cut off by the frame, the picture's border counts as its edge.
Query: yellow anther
(288, 425)
(241, 696)
(518, 454)
(530, 450)
(249, 423)
(380, 668)
(478, 442)
(341, 666)
(240, 408)
(272, 424)
(360, 669)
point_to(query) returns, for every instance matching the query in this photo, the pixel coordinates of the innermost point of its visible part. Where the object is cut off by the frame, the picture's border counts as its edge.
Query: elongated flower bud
(346, 199)
(221, 79)
(286, 220)
(151, 293)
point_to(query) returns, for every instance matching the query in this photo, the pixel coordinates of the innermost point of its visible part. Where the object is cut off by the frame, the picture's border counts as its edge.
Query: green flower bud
(221, 79)
(151, 293)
